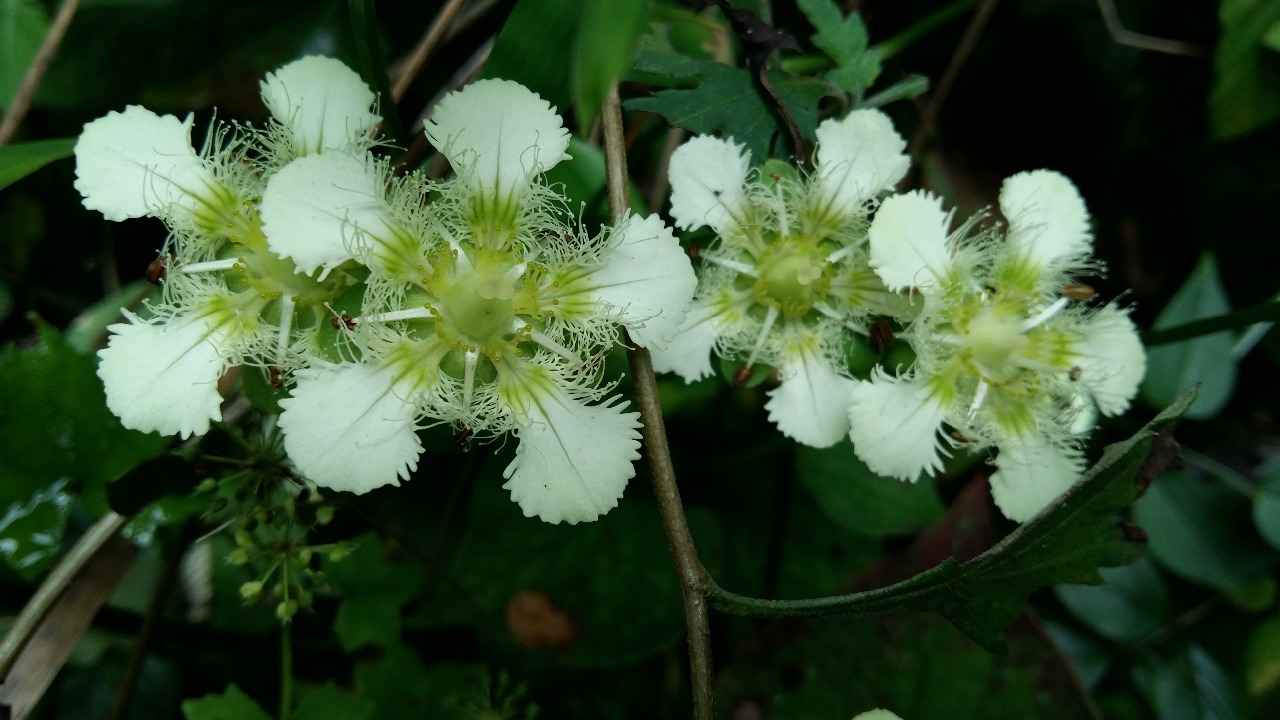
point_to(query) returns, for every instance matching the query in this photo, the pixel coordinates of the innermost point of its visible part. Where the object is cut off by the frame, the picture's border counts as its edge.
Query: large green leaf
(19, 161)
(1246, 91)
(530, 48)
(230, 705)
(329, 702)
(374, 588)
(1266, 506)
(1066, 543)
(844, 39)
(1188, 684)
(1132, 602)
(861, 501)
(1205, 360)
(607, 32)
(23, 24)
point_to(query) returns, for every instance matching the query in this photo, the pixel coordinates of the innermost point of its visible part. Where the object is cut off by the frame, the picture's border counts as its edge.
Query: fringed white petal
(646, 278)
(895, 424)
(811, 406)
(498, 134)
(351, 427)
(1112, 360)
(688, 354)
(1032, 473)
(877, 714)
(163, 377)
(574, 460)
(909, 241)
(313, 207)
(323, 103)
(707, 176)
(858, 157)
(1048, 222)
(135, 163)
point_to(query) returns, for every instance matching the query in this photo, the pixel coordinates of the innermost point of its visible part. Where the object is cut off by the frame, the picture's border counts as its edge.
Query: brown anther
(345, 320)
(693, 252)
(776, 177)
(1078, 291)
(275, 377)
(1074, 373)
(741, 377)
(881, 335)
(462, 436)
(158, 269)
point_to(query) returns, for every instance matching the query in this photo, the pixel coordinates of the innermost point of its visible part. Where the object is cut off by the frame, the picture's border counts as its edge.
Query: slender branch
(1124, 36)
(689, 570)
(54, 585)
(1265, 312)
(286, 669)
(35, 72)
(928, 24)
(436, 33)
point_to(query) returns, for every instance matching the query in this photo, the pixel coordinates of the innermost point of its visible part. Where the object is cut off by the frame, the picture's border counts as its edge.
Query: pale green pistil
(793, 277)
(478, 305)
(993, 338)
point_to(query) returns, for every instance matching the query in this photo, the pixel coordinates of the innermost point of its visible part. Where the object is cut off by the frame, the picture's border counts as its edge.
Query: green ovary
(993, 337)
(793, 276)
(477, 304)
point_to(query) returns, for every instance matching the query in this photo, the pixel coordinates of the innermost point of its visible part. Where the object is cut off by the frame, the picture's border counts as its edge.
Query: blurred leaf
(230, 705)
(724, 100)
(368, 571)
(54, 423)
(1262, 657)
(20, 160)
(1066, 543)
(1187, 684)
(844, 39)
(1089, 655)
(367, 620)
(1201, 531)
(88, 330)
(1266, 506)
(905, 89)
(31, 531)
(530, 48)
(1246, 91)
(329, 702)
(6, 301)
(149, 481)
(861, 501)
(606, 33)
(23, 24)
(403, 688)
(1130, 604)
(1205, 360)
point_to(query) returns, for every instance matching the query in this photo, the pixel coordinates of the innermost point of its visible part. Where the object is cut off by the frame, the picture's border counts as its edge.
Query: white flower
(486, 308)
(228, 298)
(1004, 357)
(787, 279)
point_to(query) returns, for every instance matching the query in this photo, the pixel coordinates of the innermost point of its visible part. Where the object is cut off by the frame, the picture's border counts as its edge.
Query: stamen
(211, 266)
(469, 377)
(783, 229)
(1045, 314)
(743, 268)
(553, 346)
(978, 397)
(769, 319)
(409, 314)
(284, 328)
(840, 254)
(831, 312)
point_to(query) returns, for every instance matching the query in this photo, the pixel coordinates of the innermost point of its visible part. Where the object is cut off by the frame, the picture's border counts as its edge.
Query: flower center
(476, 302)
(794, 274)
(993, 337)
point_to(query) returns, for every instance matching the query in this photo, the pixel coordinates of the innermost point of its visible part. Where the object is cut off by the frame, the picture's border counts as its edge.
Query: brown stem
(422, 51)
(35, 72)
(689, 569)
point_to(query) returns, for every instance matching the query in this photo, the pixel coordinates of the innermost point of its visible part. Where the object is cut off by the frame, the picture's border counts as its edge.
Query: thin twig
(435, 33)
(54, 585)
(929, 118)
(689, 569)
(35, 72)
(1124, 36)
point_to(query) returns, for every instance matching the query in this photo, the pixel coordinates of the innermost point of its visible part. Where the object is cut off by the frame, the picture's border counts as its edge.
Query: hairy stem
(689, 569)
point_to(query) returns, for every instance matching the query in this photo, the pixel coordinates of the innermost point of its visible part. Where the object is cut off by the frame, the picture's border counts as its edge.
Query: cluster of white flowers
(1007, 355)
(485, 304)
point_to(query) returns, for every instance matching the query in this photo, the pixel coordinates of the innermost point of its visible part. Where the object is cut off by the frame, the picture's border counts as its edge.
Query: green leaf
(725, 101)
(861, 501)
(1246, 91)
(1205, 360)
(54, 423)
(369, 572)
(1262, 657)
(23, 25)
(20, 160)
(1266, 506)
(1129, 605)
(403, 688)
(1066, 543)
(89, 329)
(529, 49)
(31, 531)
(1201, 531)
(607, 32)
(149, 481)
(368, 620)
(231, 705)
(844, 40)
(329, 702)
(1188, 684)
